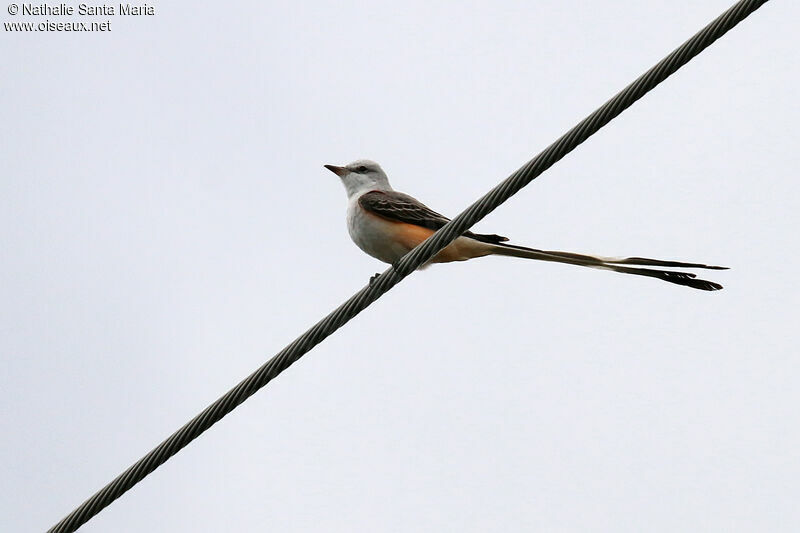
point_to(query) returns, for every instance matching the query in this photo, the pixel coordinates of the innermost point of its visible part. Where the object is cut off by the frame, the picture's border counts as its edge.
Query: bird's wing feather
(400, 207)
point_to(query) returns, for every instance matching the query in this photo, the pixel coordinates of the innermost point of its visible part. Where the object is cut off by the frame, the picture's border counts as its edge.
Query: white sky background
(166, 226)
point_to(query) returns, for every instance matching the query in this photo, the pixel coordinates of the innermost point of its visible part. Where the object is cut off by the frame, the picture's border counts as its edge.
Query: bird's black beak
(339, 171)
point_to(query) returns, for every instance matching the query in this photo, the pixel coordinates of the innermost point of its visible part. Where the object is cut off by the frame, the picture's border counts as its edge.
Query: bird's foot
(373, 278)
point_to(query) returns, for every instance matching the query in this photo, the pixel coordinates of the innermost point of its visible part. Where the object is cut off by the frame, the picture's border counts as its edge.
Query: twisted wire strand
(410, 262)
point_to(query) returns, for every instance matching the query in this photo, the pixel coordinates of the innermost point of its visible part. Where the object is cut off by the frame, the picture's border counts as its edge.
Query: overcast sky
(166, 226)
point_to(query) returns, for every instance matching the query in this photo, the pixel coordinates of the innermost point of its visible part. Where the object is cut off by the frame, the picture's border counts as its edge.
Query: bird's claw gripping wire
(395, 266)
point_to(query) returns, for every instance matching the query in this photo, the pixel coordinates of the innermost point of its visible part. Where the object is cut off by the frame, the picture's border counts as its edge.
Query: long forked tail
(618, 265)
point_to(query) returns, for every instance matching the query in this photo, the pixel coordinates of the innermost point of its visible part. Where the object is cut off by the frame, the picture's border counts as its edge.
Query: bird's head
(361, 175)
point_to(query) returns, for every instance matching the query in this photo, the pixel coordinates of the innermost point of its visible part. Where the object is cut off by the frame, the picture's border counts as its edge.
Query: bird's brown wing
(400, 207)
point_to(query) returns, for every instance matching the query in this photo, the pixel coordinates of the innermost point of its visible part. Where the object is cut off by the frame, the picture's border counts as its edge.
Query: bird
(387, 224)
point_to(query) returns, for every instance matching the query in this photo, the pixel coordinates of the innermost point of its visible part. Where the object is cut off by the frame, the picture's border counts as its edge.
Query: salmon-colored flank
(411, 235)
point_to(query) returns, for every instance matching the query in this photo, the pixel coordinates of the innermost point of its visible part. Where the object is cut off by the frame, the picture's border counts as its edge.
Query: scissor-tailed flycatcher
(387, 224)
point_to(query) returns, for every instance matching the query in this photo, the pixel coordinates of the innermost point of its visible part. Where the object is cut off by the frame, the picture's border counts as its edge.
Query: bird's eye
(362, 169)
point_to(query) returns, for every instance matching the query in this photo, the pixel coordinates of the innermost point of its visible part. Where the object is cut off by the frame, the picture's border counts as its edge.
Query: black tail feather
(679, 278)
(658, 262)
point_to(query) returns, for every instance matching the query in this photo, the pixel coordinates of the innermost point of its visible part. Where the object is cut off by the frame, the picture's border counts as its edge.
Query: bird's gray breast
(369, 232)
